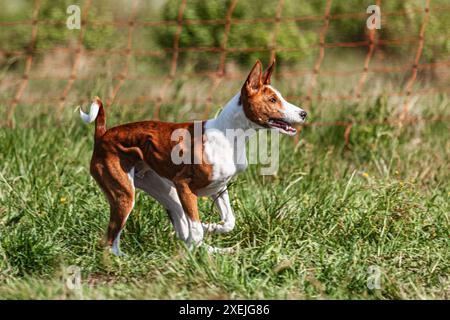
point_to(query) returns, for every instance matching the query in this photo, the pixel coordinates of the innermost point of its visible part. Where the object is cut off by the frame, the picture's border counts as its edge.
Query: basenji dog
(140, 155)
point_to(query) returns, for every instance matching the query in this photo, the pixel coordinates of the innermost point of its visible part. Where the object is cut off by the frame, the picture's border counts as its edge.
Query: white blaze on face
(291, 113)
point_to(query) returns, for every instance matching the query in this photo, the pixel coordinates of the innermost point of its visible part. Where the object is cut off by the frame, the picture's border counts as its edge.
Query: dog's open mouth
(283, 126)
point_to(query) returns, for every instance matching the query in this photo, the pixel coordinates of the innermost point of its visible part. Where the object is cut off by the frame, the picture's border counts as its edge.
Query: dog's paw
(221, 227)
(211, 249)
(117, 253)
(209, 227)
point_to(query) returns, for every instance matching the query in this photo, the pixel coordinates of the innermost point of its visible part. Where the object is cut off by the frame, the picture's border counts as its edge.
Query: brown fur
(256, 96)
(120, 148)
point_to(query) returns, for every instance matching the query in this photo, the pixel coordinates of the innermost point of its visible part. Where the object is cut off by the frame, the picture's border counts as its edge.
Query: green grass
(312, 231)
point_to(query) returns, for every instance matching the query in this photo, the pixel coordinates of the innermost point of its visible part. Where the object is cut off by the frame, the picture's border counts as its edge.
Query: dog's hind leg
(189, 202)
(118, 186)
(165, 193)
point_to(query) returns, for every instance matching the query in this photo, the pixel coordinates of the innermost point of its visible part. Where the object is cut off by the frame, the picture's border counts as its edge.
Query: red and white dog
(139, 155)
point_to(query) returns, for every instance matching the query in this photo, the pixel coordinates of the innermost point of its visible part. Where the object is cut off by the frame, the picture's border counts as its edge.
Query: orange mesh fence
(124, 73)
(173, 65)
(223, 55)
(323, 32)
(74, 71)
(29, 61)
(411, 81)
(219, 73)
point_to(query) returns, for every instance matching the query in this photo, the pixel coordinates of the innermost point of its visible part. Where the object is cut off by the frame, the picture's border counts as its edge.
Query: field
(353, 212)
(317, 229)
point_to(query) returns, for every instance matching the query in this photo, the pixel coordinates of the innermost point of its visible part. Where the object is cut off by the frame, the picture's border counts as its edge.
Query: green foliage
(311, 231)
(242, 35)
(302, 36)
(56, 35)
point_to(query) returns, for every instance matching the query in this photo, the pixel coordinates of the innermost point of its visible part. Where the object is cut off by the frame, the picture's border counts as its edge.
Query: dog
(140, 155)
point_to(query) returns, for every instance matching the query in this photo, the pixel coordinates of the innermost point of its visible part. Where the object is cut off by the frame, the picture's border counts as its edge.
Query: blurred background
(366, 184)
(186, 58)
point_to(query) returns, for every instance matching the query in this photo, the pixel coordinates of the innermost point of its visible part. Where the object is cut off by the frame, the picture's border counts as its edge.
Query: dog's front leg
(189, 202)
(222, 202)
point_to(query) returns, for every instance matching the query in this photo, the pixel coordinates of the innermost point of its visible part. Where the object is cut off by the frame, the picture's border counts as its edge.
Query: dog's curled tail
(97, 113)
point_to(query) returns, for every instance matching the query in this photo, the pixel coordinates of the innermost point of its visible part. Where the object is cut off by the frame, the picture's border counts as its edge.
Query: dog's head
(264, 105)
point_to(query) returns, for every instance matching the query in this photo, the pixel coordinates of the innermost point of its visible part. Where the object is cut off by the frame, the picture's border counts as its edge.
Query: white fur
(211, 249)
(93, 113)
(195, 234)
(165, 193)
(291, 113)
(115, 249)
(227, 157)
(222, 202)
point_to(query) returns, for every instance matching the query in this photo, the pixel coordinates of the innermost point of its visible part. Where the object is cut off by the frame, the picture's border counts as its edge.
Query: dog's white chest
(224, 157)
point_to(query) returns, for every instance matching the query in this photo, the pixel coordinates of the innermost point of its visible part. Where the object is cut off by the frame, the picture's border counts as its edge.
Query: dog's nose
(303, 114)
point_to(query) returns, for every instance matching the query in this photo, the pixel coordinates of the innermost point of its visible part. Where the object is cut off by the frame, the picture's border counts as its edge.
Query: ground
(331, 220)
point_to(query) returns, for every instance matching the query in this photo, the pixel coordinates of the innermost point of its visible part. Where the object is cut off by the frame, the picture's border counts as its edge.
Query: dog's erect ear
(254, 79)
(268, 73)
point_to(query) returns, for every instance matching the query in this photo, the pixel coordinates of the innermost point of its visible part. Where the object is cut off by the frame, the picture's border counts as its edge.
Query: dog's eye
(273, 99)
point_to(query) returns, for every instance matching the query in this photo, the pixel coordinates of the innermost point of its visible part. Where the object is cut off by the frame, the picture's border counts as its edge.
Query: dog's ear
(254, 79)
(268, 73)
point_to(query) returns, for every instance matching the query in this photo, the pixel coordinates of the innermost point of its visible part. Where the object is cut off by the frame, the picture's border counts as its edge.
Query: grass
(311, 231)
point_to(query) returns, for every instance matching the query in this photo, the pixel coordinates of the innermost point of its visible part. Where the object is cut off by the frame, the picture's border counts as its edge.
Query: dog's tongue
(283, 125)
